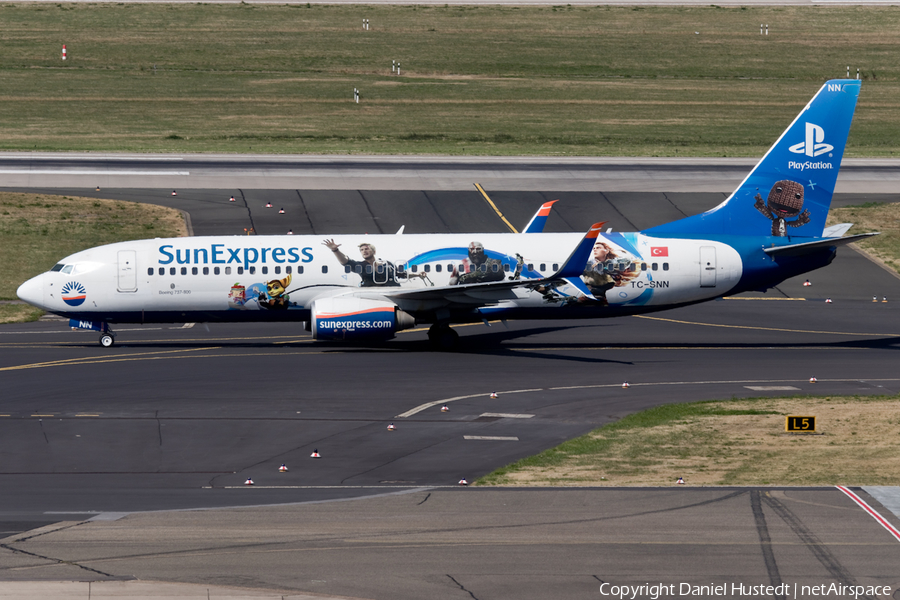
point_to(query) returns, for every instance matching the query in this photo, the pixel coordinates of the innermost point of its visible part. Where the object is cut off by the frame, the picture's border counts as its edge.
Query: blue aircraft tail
(789, 191)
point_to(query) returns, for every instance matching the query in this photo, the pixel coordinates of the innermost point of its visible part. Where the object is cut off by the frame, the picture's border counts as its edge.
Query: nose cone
(32, 291)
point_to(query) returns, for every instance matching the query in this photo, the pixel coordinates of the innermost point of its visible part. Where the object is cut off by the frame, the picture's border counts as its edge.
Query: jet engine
(350, 318)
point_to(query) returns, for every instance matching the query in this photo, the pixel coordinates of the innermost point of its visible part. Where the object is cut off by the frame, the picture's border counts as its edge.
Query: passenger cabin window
(347, 268)
(643, 266)
(252, 270)
(171, 270)
(288, 270)
(206, 270)
(655, 266)
(184, 270)
(437, 268)
(278, 270)
(531, 266)
(555, 267)
(665, 266)
(543, 267)
(265, 270)
(150, 271)
(193, 270)
(216, 270)
(324, 268)
(506, 267)
(428, 268)
(240, 270)
(228, 270)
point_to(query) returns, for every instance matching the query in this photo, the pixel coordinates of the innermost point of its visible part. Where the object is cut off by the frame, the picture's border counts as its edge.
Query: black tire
(442, 337)
(107, 340)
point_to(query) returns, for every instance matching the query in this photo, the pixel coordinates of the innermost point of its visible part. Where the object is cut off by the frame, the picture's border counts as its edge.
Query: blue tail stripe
(789, 192)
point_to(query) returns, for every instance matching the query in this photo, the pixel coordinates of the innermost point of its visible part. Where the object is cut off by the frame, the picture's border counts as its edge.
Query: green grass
(475, 79)
(37, 230)
(736, 442)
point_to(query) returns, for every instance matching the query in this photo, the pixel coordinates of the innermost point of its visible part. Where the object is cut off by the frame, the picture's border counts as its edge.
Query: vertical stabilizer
(789, 191)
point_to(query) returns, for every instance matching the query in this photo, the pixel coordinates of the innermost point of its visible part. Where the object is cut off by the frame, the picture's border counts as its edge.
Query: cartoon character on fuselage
(278, 299)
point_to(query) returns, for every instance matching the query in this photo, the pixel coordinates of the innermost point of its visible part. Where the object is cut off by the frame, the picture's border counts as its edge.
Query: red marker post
(64, 52)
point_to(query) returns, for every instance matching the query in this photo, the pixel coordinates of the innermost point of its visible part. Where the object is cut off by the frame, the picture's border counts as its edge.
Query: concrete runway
(177, 418)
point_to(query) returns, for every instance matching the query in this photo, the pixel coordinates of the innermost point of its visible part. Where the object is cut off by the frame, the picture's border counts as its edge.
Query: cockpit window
(67, 269)
(57, 267)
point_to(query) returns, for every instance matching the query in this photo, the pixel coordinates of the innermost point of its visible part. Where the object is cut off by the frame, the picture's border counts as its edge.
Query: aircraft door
(707, 266)
(127, 271)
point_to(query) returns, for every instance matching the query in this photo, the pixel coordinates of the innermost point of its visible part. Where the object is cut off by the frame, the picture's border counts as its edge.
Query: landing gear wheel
(106, 340)
(442, 337)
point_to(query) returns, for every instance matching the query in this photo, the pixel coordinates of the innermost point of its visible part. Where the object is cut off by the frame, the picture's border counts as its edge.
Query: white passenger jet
(369, 287)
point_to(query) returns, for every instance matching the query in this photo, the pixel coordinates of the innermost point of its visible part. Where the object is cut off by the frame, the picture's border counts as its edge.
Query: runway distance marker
(799, 424)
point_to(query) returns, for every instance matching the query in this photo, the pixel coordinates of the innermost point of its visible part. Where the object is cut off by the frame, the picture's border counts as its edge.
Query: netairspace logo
(795, 591)
(814, 144)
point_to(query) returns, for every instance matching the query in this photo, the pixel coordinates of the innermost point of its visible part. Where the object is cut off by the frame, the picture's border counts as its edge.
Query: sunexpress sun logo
(814, 144)
(73, 293)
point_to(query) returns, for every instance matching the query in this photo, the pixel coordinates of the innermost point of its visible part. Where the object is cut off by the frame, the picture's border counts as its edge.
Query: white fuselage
(279, 277)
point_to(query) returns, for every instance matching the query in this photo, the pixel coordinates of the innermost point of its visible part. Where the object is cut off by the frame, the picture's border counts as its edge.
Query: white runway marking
(491, 438)
(506, 415)
(86, 172)
(872, 512)
(771, 388)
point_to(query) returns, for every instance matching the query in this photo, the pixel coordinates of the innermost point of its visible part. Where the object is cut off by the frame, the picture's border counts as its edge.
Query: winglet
(537, 222)
(574, 265)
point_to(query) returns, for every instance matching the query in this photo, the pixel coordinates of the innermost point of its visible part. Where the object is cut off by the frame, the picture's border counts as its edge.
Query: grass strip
(474, 80)
(39, 229)
(733, 442)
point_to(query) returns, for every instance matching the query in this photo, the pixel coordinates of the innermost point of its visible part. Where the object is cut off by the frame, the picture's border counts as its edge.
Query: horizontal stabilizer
(837, 230)
(809, 247)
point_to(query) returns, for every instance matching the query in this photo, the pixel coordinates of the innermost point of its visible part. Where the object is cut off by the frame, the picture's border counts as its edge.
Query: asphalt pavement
(133, 459)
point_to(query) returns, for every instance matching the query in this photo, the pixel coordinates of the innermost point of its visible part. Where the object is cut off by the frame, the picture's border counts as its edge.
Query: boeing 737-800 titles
(368, 287)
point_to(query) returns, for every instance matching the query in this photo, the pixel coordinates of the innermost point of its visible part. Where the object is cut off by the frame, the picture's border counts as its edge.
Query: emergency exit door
(127, 271)
(707, 266)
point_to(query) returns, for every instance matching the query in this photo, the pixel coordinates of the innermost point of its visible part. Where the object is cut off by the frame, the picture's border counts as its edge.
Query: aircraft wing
(496, 291)
(808, 247)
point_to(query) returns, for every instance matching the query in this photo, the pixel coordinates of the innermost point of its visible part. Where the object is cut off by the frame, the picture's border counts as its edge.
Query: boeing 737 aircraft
(368, 287)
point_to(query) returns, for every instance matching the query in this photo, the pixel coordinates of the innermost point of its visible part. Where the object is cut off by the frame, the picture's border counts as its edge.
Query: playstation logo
(814, 144)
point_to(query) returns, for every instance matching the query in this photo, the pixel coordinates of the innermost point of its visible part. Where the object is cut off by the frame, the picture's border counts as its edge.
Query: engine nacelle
(351, 318)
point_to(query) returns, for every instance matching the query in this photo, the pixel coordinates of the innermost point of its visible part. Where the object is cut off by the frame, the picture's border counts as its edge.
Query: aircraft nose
(32, 291)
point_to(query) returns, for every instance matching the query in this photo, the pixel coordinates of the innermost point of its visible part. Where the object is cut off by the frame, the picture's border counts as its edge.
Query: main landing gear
(442, 337)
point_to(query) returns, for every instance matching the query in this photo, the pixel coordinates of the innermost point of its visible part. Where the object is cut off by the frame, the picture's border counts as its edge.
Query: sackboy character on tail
(785, 201)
